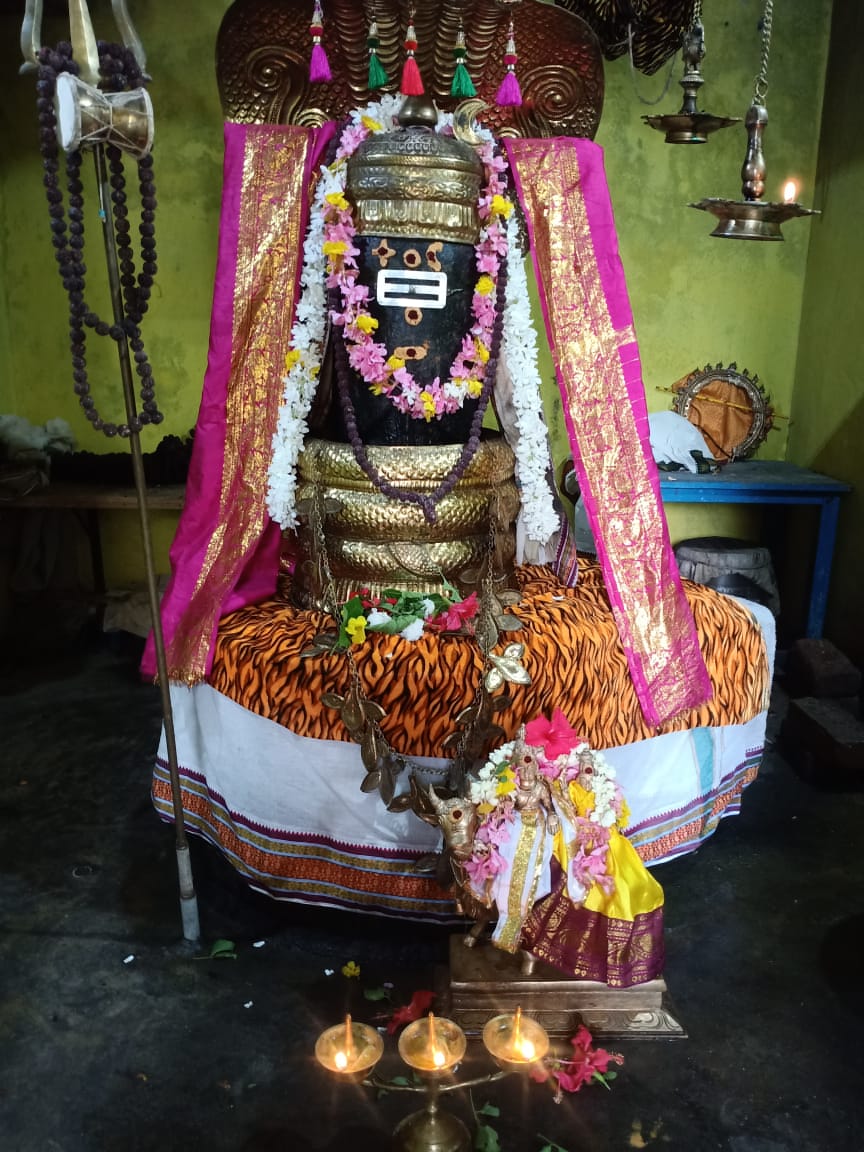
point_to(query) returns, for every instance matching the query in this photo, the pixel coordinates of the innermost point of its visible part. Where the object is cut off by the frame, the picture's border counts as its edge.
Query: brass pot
(376, 542)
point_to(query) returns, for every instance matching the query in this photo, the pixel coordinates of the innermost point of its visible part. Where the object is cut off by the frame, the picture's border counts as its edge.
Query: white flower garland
(303, 364)
(519, 350)
(607, 793)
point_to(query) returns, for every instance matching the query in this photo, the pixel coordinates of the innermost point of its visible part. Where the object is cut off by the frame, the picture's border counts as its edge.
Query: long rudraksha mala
(120, 72)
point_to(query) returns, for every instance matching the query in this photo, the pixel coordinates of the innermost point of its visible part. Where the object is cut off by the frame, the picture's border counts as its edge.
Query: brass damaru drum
(376, 542)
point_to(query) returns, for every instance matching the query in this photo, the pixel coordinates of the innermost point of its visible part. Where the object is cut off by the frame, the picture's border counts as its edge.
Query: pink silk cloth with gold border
(226, 551)
(562, 188)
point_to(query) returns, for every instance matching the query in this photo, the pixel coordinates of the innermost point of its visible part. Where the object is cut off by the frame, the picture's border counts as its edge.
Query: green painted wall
(695, 299)
(699, 300)
(828, 401)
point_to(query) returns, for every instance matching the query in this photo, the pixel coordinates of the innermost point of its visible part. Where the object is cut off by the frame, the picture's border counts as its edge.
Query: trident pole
(188, 899)
(85, 52)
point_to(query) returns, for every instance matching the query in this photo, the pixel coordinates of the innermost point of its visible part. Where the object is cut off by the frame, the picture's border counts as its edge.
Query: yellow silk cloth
(636, 891)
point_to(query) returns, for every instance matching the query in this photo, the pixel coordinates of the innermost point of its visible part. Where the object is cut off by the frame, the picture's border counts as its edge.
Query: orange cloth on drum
(572, 652)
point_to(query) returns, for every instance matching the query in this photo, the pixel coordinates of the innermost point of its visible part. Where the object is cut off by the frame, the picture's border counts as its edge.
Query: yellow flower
(376, 388)
(366, 324)
(371, 124)
(428, 404)
(485, 285)
(291, 358)
(334, 247)
(506, 782)
(356, 629)
(394, 363)
(482, 351)
(500, 207)
(485, 808)
(337, 199)
(474, 388)
(350, 969)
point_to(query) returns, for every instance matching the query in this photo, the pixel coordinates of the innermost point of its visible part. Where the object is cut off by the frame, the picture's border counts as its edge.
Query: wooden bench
(88, 500)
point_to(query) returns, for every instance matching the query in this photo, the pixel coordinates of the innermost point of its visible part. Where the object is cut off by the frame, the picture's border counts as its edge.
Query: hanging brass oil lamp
(690, 126)
(754, 218)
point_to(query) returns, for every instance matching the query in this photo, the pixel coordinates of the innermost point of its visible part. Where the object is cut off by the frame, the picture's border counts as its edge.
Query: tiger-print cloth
(572, 652)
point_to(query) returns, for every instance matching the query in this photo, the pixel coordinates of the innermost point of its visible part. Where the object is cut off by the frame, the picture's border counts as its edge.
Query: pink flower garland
(388, 375)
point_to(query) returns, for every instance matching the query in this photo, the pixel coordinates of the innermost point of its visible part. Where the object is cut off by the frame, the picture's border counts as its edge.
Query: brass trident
(81, 35)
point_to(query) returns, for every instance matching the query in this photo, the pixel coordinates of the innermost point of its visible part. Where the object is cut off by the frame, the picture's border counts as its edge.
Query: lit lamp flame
(515, 1041)
(343, 1058)
(520, 1045)
(350, 1049)
(432, 1045)
(790, 192)
(435, 1054)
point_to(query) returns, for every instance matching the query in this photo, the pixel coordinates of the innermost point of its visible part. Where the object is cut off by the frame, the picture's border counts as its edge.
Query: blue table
(771, 482)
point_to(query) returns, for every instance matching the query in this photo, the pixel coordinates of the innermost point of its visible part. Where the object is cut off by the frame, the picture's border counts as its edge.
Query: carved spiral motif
(262, 62)
(268, 68)
(559, 95)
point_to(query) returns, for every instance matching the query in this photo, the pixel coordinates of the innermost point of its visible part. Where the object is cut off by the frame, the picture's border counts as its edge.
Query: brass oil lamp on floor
(754, 218)
(433, 1048)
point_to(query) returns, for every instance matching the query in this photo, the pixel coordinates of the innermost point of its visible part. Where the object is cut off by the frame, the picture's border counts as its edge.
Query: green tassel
(462, 86)
(377, 76)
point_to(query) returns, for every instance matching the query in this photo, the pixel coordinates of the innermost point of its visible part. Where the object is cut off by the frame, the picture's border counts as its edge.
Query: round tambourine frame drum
(728, 406)
(86, 116)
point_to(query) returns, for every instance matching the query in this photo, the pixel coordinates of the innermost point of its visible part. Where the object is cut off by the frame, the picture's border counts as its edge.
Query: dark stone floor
(174, 1050)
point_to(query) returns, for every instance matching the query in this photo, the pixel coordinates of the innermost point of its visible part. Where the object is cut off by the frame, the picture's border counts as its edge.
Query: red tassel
(509, 93)
(319, 66)
(412, 81)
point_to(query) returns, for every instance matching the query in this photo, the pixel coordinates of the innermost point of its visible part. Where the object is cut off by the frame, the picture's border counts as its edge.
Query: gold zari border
(269, 246)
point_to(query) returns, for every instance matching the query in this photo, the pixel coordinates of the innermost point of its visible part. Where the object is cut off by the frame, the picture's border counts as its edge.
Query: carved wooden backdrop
(264, 46)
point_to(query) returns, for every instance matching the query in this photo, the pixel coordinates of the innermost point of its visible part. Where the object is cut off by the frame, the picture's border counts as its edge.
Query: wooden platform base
(484, 981)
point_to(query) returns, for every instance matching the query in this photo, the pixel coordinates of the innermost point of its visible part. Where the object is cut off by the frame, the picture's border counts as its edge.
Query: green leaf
(550, 1145)
(376, 994)
(400, 1081)
(396, 623)
(489, 1110)
(223, 949)
(486, 1139)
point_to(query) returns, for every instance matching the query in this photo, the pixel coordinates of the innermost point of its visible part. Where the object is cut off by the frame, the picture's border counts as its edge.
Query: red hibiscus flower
(451, 619)
(418, 1007)
(554, 736)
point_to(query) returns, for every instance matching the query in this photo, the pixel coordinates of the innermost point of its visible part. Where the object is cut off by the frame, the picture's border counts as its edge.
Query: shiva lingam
(408, 502)
(433, 1048)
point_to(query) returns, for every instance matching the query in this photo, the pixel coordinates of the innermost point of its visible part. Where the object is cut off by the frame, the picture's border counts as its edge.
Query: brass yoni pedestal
(484, 981)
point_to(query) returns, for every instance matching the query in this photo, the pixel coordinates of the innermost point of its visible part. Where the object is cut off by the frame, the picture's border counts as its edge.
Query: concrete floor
(173, 1050)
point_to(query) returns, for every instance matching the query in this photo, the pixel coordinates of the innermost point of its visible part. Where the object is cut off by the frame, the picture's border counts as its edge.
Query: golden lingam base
(376, 542)
(485, 981)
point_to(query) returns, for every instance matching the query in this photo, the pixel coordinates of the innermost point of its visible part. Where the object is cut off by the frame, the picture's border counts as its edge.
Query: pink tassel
(319, 66)
(412, 81)
(509, 93)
